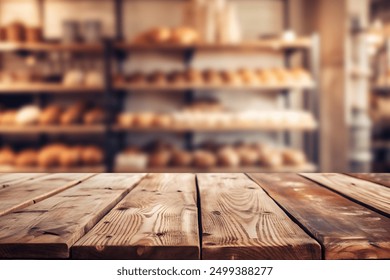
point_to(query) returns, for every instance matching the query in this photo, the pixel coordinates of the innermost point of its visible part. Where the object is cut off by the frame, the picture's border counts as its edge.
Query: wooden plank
(157, 220)
(307, 167)
(10, 179)
(374, 196)
(22, 193)
(345, 229)
(379, 178)
(47, 229)
(240, 221)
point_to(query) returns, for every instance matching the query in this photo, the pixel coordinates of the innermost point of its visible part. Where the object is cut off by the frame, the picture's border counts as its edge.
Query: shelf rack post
(109, 104)
(312, 99)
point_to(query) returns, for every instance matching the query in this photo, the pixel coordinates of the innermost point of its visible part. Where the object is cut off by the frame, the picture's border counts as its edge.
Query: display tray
(194, 216)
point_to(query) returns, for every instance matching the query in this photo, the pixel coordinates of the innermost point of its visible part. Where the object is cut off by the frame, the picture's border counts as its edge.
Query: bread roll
(126, 119)
(177, 78)
(227, 157)
(271, 159)
(74, 78)
(7, 156)
(49, 156)
(28, 115)
(212, 77)
(160, 158)
(193, 76)
(162, 120)
(184, 36)
(204, 159)
(94, 79)
(232, 78)
(293, 157)
(248, 156)
(136, 78)
(144, 119)
(27, 158)
(159, 35)
(181, 158)
(248, 76)
(70, 157)
(50, 115)
(92, 155)
(8, 117)
(157, 146)
(73, 114)
(94, 116)
(157, 78)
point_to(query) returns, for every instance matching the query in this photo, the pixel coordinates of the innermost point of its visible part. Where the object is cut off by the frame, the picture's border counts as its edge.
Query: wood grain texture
(47, 229)
(378, 178)
(157, 220)
(367, 193)
(346, 229)
(10, 179)
(240, 221)
(27, 189)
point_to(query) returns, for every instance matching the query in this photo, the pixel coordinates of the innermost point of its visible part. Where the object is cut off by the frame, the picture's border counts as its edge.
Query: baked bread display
(181, 158)
(160, 158)
(126, 119)
(28, 115)
(73, 114)
(50, 115)
(144, 119)
(204, 159)
(92, 155)
(7, 156)
(293, 157)
(184, 36)
(49, 156)
(26, 158)
(228, 157)
(94, 116)
(8, 117)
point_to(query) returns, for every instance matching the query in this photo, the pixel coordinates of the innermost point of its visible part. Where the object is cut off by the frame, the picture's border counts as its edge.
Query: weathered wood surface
(240, 221)
(156, 220)
(9, 179)
(370, 194)
(346, 229)
(28, 189)
(47, 229)
(379, 178)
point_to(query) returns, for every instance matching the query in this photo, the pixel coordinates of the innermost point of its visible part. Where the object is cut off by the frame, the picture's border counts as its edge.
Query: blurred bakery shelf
(53, 129)
(147, 87)
(220, 128)
(23, 88)
(309, 167)
(51, 47)
(258, 45)
(79, 169)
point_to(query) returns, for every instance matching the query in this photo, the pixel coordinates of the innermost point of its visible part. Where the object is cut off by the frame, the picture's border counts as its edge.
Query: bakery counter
(239, 216)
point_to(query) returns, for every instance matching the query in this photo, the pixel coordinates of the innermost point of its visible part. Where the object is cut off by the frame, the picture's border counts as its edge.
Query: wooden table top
(194, 216)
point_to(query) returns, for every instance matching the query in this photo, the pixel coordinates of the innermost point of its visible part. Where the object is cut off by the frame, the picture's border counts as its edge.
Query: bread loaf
(181, 158)
(7, 156)
(204, 159)
(27, 158)
(92, 155)
(73, 114)
(94, 116)
(28, 115)
(160, 158)
(50, 115)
